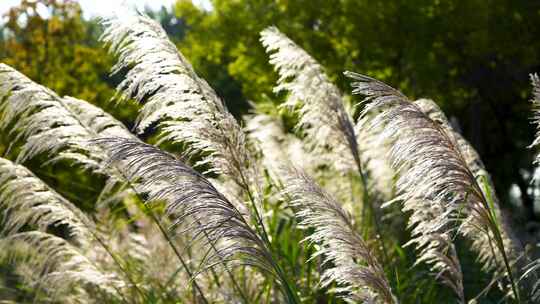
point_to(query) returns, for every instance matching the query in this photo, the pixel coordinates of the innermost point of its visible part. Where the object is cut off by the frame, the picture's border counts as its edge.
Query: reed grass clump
(378, 201)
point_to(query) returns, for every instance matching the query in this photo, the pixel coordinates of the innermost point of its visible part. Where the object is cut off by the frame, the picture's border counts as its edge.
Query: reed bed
(378, 201)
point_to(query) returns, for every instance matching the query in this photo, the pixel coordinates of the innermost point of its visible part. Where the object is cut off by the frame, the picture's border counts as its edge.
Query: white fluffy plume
(354, 267)
(432, 168)
(329, 129)
(322, 113)
(48, 123)
(195, 207)
(26, 200)
(535, 100)
(185, 106)
(433, 178)
(61, 269)
(531, 270)
(490, 259)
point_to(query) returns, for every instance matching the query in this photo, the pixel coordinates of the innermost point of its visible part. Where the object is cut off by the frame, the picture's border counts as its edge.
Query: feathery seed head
(26, 200)
(48, 123)
(433, 183)
(535, 100)
(322, 113)
(192, 202)
(185, 106)
(355, 268)
(481, 242)
(58, 267)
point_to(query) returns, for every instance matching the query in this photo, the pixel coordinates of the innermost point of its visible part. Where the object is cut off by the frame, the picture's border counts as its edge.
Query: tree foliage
(50, 42)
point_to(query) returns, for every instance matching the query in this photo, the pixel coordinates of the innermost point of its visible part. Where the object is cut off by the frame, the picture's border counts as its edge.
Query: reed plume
(62, 270)
(431, 169)
(350, 262)
(531, 270)
(90, 123)
(482, 243)
(196, 207)
(185, 108)
(59, 126)
(328, 126)
(535, 101)
(317, 101)
(173, 96)
(28, 201)
(183, 105)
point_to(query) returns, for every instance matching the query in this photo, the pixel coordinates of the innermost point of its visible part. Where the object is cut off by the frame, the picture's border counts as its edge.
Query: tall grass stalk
(350, 262)
(28, 201)
(431, 165)
(323, 116)
(190, 195)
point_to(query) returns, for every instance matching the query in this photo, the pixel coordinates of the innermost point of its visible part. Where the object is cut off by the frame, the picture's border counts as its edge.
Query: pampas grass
(329, 129)
(221, 220)
(61, 127)
(531, 270)
(198, 208)
(491, 260)
(184, 105)
(535, 101)
(432, 168)
(59, 268)
(49, 123)
(28, 201)
(57, 265)
(318, 102)
(352, 265)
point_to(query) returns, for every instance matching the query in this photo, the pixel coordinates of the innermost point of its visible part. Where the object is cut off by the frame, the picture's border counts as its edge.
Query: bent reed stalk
(323, 116)
(430, 165)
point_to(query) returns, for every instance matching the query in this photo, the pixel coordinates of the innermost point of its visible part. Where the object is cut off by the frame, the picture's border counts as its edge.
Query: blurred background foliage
(472, 57)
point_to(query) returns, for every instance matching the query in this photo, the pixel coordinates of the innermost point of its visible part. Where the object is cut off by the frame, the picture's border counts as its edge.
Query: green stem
(494, 224)
(233, 280)
(368, 203)
(166, 236)
(117, 262)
